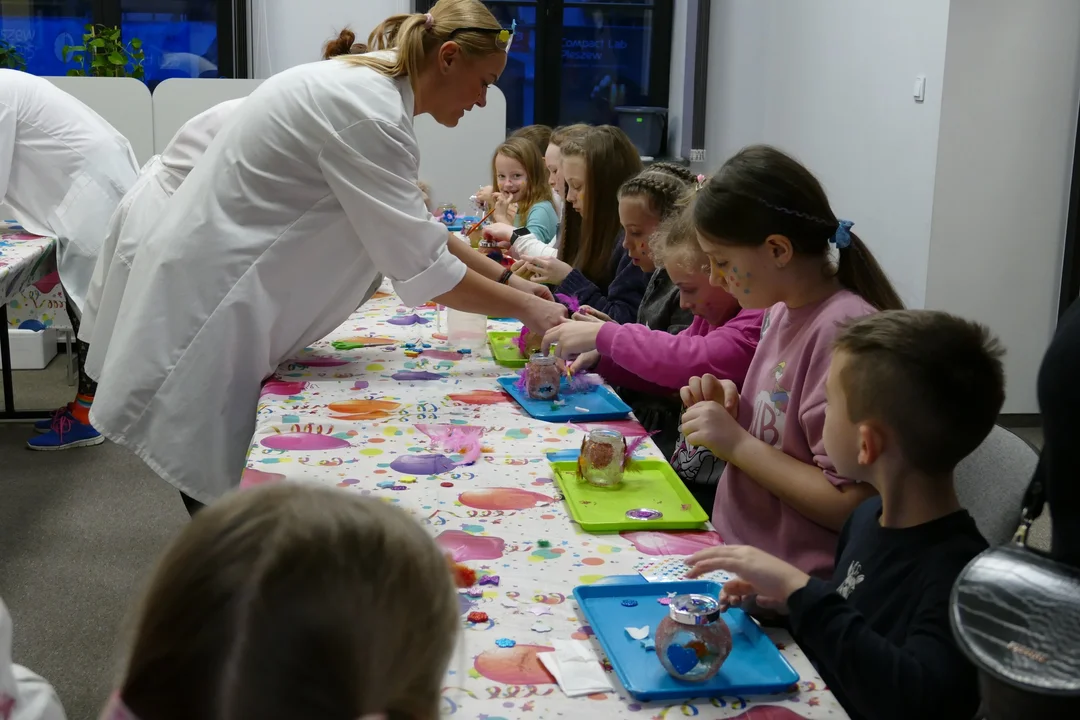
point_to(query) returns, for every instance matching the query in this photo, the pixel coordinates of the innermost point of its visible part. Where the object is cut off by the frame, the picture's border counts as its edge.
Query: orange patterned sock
(80, 409)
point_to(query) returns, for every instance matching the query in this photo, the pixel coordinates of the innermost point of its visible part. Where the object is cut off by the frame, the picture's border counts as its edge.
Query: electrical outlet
(697, 155)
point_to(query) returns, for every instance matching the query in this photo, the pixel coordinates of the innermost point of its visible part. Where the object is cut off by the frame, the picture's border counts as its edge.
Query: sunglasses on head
(503, 38)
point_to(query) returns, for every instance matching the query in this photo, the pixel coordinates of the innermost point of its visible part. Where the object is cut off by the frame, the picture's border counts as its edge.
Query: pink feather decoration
(572, 303)
(461, 439)
(521, 340)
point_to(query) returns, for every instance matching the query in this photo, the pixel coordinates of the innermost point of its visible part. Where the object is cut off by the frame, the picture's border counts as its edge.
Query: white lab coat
(137, 215)
(63, 170)
(278, 234)
(23, 694)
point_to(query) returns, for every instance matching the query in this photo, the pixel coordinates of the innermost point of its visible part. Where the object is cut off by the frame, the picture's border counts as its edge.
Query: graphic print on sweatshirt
(854, 577)
(770, 410)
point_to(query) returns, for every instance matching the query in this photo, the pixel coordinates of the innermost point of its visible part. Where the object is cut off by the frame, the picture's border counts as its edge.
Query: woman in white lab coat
(138, 214)
(63, 170)
(281, 231)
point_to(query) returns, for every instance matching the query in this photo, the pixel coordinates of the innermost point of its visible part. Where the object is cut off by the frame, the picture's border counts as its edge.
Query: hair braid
(663, 190)
(675, 170)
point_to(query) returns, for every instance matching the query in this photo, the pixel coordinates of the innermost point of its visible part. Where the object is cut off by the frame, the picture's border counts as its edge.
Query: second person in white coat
(282, 230)
(63, 170)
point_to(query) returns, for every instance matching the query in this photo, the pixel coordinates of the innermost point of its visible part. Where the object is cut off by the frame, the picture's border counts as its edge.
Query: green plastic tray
(652, 485)
(505, 350)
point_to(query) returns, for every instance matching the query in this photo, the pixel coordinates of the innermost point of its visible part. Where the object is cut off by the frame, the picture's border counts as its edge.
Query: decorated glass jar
(693, 641)
(542, 377)
(447, 212)
(603, 458)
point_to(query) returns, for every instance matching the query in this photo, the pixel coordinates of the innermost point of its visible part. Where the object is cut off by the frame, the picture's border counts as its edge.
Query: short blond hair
(289, 601)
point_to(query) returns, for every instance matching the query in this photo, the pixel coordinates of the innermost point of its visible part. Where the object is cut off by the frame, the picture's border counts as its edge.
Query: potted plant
(104, 54)
(10, 57)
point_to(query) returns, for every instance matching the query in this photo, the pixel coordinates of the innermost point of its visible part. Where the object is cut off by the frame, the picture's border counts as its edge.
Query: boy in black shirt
(910, 393)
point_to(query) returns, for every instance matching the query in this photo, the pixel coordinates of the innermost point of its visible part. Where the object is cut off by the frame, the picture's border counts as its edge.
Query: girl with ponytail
(775, 244)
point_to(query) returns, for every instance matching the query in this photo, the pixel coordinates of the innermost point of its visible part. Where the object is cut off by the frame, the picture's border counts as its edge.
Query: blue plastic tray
(755, 666)
(602, 404)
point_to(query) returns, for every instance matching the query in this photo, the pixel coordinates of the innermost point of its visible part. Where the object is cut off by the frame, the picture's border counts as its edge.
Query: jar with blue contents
(693, 641)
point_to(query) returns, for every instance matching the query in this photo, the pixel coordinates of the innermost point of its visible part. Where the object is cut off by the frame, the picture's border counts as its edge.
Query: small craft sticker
(509, 602)
(505, 643)
(638, 633)
(540, 627)
(540, 610)
(644, 514)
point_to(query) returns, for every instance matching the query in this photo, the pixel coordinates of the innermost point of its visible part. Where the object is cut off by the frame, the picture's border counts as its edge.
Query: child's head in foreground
(290, 601)
(917, 389)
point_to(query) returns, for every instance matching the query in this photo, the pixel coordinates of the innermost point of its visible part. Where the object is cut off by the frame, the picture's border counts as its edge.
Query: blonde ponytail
(415, 35)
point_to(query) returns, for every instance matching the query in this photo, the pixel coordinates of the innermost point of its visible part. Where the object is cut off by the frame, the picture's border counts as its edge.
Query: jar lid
(694, 609)
(542, 359)
(613, 436)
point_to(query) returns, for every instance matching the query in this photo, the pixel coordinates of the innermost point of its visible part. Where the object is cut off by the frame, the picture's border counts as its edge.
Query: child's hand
(738, 593)
(761, 574)
(503, 201)
(591, 314)
(548, 270)
(573, 338)
(709, 424)
(485, 195)
(708, 387)
(585, 361)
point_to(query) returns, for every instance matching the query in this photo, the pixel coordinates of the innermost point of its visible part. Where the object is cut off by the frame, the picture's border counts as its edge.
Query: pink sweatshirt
(635, 357)
(783, 404)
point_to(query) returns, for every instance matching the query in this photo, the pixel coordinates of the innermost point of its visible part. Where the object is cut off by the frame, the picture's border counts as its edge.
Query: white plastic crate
(30, 349)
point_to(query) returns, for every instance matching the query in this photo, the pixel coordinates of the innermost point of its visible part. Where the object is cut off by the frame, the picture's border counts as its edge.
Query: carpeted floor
(79, 532)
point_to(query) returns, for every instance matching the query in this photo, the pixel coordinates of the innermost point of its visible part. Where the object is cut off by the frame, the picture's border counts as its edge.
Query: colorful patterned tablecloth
(24, 260)
(349, 418)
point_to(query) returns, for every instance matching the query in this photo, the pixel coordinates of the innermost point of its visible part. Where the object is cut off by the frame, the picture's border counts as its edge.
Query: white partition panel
(456, 161)
(177, 100)
(123, 102)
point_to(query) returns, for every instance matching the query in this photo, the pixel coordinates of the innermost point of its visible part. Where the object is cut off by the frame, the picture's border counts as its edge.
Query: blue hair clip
(842, 237)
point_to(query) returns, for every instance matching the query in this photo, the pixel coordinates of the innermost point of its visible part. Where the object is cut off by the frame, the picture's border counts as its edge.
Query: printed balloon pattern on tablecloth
(369, 419)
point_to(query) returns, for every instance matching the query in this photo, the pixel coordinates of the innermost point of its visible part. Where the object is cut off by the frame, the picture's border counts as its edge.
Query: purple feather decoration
(572, 303)
(636, 443)
(520, 384)
(583, 383)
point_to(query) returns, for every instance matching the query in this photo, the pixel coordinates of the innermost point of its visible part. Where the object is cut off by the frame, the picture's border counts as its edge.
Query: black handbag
(1015, 612)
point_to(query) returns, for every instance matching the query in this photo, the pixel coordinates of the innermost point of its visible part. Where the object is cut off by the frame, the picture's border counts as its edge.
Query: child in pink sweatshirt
(654, 364)
(773, 241)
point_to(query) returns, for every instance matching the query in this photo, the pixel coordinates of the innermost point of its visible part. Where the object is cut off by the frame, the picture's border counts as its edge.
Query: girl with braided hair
(648, 364)
(774, 243)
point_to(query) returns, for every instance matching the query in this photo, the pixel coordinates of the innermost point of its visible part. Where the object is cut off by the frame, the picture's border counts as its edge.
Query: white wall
(1008, 126)
(285, 33)
(831, 82)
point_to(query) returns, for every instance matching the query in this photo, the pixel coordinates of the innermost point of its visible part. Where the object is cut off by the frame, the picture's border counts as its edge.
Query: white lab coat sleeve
(7, 145)
(23, 695)
(530, 246)
(372, 168)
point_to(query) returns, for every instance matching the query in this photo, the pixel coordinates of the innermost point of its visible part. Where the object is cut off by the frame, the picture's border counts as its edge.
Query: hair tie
(842, 237)
(429, 21)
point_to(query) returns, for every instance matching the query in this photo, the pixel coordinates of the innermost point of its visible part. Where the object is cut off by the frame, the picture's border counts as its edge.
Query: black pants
(86, 385)
(193, 506)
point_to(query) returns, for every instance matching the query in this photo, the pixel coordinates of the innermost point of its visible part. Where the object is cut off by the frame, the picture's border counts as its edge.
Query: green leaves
(104, 54)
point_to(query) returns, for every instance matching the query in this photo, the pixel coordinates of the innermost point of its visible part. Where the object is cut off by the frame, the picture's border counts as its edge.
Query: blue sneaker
(65, 433)
(45, 425)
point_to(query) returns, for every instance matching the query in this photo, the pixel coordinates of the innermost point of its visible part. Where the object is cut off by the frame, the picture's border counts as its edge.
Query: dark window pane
(606, 56)
(39, 30)
(518, 81)
(180, 37)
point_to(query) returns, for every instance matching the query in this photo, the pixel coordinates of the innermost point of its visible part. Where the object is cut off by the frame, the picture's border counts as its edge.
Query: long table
(24, 259)
(347, 418)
